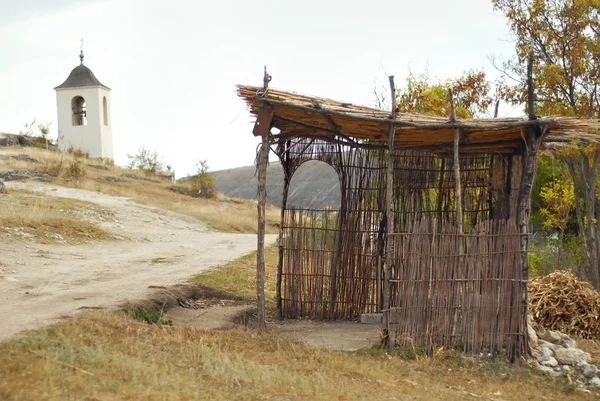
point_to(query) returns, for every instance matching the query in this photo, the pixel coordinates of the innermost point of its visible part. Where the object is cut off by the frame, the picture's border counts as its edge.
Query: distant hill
(315, 184)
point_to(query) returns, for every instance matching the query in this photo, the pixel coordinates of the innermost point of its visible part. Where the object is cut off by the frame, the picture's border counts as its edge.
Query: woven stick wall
(468, 301)
(332, 259)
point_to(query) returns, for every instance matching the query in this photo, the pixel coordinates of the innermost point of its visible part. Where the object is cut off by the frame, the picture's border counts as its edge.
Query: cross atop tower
(81, 51)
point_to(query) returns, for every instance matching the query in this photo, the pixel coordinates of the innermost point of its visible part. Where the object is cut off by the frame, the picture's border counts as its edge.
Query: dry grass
(221, 213)
(30, 215)
(109, 356)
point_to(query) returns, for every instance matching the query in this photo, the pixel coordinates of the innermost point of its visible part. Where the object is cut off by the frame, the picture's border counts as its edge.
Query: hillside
(315, 185)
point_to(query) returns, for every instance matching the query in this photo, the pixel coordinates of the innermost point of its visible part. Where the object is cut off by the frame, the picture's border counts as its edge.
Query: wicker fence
(461, 292)
(453, 291)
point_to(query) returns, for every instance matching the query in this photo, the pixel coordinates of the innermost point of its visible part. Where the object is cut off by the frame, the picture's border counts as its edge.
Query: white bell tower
(83, 106)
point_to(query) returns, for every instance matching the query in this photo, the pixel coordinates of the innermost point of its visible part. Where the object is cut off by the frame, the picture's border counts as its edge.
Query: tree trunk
(584, 175)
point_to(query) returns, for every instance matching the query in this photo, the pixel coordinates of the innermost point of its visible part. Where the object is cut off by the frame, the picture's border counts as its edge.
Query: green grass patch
(237, 280)
(150, 315)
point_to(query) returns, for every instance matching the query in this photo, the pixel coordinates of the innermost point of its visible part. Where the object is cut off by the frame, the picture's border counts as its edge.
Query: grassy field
(26, 214)
(221, 213)
(111, 356)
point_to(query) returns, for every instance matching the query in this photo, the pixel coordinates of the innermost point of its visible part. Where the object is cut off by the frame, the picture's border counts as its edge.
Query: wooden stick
(458, 195)
(389, 244)
(285, 162)
(263, 159)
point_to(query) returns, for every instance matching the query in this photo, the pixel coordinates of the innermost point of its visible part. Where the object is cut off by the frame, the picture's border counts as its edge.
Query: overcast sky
(173, 65)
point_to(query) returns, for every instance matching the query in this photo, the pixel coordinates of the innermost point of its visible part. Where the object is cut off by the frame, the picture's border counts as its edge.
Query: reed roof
(301, 116)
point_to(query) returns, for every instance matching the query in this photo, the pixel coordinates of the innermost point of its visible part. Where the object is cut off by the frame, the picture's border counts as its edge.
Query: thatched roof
(298, 115)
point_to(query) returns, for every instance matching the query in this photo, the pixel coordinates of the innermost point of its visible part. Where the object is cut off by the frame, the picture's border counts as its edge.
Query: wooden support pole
(262, 160)
(533, 138)
(285, 163)
(389, 245)
(457, 185)
(459, 273)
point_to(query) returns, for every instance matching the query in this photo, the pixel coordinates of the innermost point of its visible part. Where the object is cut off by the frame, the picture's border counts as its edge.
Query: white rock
(595, 382)
(589, 370)
(550, 336)
(542, 353)
(547, 344)
(551, 361)
(571, 356)
(533, 338)
(566, 341)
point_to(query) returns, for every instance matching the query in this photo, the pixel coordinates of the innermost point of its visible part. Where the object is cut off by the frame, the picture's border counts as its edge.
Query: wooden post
(459, 215)
(285, 162)
(457, 186)
(533, 138)
(389, 245)
(263, 158)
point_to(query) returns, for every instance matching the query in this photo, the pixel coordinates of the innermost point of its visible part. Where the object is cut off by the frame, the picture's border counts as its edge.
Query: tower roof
(81, 76)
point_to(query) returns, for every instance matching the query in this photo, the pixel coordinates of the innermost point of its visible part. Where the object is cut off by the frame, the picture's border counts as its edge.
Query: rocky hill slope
(315, 185)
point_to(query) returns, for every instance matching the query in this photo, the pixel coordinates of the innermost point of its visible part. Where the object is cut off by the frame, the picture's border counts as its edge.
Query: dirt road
(158, 248)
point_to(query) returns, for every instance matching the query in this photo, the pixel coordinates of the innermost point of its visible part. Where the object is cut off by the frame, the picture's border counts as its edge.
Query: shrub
(146, 161)
(55, 167)
(202, 181)
(76, 170)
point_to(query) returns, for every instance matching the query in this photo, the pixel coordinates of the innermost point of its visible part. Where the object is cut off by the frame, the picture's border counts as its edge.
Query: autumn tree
(422, 94)
(558, 196)
(564, 37)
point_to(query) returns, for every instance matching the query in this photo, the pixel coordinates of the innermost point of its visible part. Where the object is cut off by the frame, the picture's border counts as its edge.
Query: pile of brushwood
(561, 302)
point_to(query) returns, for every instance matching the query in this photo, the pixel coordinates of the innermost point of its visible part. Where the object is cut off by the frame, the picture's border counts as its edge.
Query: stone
(16, 175)
(371, 318)
(26, 158)
(547, 344)
(571, 356)
(551, 362)
(112, 179)
(566, 341)
(589, 370)
(9, 141)
(550, 336)
(533, 338)
(24, 141)
(550, 371)
(595, 382)
(542, 354)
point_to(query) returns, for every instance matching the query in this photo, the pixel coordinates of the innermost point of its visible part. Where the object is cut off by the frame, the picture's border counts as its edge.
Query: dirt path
(45, 282)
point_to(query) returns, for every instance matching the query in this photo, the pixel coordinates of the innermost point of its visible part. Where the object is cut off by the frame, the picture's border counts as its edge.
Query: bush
(76, 170)
(146, 161)
(55, 168)
(202, 181)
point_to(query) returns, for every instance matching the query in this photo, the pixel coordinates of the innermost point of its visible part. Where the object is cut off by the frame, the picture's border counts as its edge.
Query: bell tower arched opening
(79, 109)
